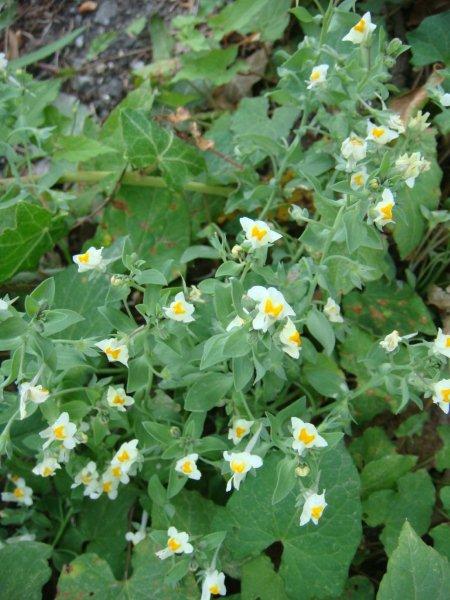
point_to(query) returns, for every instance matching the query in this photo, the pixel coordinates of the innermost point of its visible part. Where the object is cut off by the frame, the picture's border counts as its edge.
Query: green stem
(131, 178)
(62, 527)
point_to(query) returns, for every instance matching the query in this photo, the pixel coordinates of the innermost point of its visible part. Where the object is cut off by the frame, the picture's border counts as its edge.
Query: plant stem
(62, 527)
(131, 178)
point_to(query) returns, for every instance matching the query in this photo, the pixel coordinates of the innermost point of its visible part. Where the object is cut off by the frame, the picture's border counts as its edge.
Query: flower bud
(302, 470)
(175, 432)
(116, 280)
(236, 250)
(374, 184)
(394, 47)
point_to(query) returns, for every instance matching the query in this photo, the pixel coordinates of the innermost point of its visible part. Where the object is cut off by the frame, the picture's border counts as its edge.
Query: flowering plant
(195, 422)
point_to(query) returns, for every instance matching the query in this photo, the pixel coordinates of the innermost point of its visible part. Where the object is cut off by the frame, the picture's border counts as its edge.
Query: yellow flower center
(360, 27)
(386, 211)
(187, 467)
(178, 308)
(237, 466)
(123, 456)
(84, 258)
(107, 486)
(305, 437)
(240, 431)
(116, 471)
(118, 399)
(445, 393)
(86, 479)
(315, 75)
(214, 589)
(358, 180)
(272, 309)
(377, 132)
(114, 353)
(356, 142)
(47, 471)
(447, 341)
(19, 493)
(258, 232)
(316, 512)
(295, 338)
(59, 432)
(173, 544)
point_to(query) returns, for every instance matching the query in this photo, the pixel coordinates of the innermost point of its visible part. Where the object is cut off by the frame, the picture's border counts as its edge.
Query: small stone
(106, 12)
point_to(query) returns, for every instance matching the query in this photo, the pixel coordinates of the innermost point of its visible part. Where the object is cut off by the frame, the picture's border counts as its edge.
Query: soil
(102, 81)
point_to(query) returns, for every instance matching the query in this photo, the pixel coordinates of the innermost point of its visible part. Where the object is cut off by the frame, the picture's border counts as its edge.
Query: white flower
(177, 543)
(333, 311)
(88, 476)
(419, 122)
(62, 430)
(313, 507)
(31, 393)
(126, 455)
(179, 309)
(117, 398)
(290, 339)
(441, 395)
(188, 466)
(411, 166)
(271, 306)
(396, 123)
(360, 32)
(240, 465)
(3, 61)
(135, 538)
(91, 259)
(444, 99)
(353, 149)
(383, 209)
(115, 350)
(109, 485)
(379, 134)
(258, 233)
(318, 76)
(441, 344)
(4, 304)
(358, 179)
(47, 467)
(213, 584)
(22, 494)
(305, 436)
(391, 341)
(239, 430)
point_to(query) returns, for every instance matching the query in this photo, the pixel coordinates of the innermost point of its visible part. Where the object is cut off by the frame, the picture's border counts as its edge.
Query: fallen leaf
(408, 104)
(87, 7)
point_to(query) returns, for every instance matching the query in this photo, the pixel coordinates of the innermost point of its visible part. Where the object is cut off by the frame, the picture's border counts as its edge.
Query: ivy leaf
(384, 307)
(260, 582)
(217, 66)
(148, 144)
(429, 42)
(20, 558)
(156, 222)
(415, 570)
(78, 148)
(383, 473)
(89, 576)
(315, 560)
(35, 232)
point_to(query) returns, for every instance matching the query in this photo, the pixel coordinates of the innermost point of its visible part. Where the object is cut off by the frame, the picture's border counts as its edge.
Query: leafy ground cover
(224, 313)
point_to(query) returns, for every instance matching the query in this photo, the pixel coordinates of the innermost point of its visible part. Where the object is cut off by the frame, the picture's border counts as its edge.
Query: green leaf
(207, 391)
(384, 307)
(373, 444)
(248, 16)
(429, 42)
(414, 571)
(36, 231)
(285, 478)
(38, 55)
(260, 582)
(59, 319)
(303, 15)
(320, 327)
(156, 221)
(18, 559)
(384, 472)
(315, 560)
(76, 291)
(90, 577)
(441, 539)
(149, 144)
(324, 375)
(78, 148)
(216, 66)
